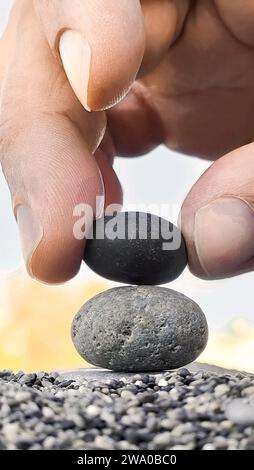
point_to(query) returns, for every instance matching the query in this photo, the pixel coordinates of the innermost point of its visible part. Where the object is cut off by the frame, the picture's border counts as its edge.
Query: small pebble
(162, 440)
(92, 411)
(249, 391)
(27, 379)
(49, 442)
(183, 372)
(240, 412)
(162, 383)
(48, 413)
(208, 447)
(221, 389)
(23, 396)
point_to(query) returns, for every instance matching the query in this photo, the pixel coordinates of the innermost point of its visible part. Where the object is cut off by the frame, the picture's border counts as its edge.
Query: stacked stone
(140, 327)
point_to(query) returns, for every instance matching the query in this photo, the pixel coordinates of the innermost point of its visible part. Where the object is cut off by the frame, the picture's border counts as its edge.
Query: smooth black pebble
(140, 328)
(136, 248)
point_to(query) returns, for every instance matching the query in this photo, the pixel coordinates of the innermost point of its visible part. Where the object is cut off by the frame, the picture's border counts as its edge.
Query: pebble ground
(173, 411)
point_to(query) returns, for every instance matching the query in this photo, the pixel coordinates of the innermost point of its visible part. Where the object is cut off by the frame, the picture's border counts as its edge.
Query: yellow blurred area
(35, 322)
(233, 348)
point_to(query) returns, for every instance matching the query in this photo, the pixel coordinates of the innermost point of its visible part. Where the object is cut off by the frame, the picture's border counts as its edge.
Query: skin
(161, 71)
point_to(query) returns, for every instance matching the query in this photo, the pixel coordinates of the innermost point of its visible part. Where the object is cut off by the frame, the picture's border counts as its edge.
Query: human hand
(188, 69)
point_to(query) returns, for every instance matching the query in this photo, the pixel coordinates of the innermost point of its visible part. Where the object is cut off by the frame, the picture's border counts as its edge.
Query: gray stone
(162, 440)
(140, 329)
(27, 379)
(221, 389)
(249, 391)
(240, 412)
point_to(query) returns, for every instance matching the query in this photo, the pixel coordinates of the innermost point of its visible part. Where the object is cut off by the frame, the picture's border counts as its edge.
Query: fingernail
(31, 234)
(100, 200)
(224, 236)
(75, 53)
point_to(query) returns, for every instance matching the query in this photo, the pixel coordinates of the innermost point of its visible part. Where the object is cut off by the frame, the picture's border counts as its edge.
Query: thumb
(101, 45)
(217, 217)
(47, 141)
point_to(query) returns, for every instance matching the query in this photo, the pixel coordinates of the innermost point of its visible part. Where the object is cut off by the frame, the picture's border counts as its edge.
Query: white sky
(221, 300)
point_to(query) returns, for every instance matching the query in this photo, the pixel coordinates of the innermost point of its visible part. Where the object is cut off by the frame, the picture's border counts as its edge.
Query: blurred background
(35, 319)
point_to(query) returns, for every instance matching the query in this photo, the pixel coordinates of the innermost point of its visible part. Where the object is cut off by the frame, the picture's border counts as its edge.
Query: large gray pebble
(140, 329)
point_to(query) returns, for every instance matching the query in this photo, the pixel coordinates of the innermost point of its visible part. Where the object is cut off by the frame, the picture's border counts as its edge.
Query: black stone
(130, 248)
(143, 328)
(132, 436)
(183, 372)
